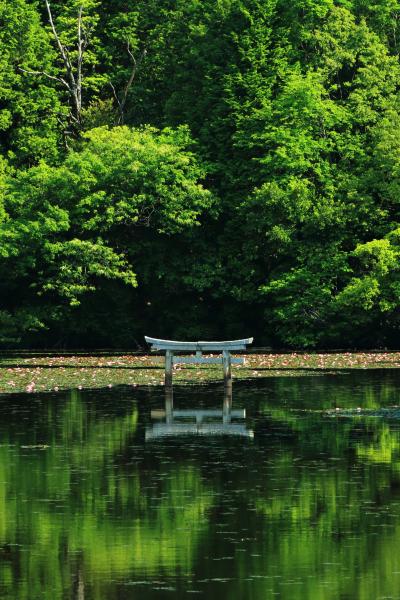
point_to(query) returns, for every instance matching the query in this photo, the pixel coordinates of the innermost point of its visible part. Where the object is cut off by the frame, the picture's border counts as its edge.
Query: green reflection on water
(70, 507)
(309, 508)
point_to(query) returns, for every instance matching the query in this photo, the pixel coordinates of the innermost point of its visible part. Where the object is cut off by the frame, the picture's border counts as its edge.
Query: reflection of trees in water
(330, 503)
(95, 507)
(319, 514)
(289, 403)
(85, 514)
(372, 438)
(370, 389)
(330, 519)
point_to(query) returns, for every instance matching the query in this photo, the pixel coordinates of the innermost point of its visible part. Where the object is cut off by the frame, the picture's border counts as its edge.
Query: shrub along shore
(34, 374)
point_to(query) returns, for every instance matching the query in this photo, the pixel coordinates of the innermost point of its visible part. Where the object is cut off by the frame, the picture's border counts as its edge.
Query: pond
(288, 489)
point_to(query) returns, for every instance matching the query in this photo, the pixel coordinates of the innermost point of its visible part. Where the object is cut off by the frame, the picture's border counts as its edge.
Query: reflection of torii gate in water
(207, 422)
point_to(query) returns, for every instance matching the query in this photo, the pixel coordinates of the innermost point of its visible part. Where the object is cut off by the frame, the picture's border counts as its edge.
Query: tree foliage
(66, 228)
(254, 186)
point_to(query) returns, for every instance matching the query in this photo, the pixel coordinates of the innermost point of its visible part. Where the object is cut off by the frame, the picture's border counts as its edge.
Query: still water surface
(125, 494)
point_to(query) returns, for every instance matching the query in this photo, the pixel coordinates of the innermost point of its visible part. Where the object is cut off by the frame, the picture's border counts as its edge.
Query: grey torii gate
(225, 348)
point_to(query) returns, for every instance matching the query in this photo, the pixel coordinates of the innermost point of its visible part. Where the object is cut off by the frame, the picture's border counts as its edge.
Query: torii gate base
(171, 346)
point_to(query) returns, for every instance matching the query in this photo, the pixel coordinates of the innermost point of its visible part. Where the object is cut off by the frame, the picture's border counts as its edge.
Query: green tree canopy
(65, 228)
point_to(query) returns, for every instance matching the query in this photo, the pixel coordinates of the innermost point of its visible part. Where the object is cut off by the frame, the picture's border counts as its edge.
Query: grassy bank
(35, 374)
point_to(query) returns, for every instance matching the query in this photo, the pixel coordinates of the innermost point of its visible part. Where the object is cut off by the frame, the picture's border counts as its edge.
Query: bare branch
(74, 79)
(128, 47)
(135, 65)
(80, 58)
(74, 118)
(53, 77)
(121, 112)
(86, 37)
(73, 75)
(61, 47)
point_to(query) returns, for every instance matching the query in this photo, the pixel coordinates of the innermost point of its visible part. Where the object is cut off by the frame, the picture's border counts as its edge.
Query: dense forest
(200, 169)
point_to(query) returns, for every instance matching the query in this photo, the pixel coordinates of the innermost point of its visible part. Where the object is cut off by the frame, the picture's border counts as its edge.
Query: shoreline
(57, 373)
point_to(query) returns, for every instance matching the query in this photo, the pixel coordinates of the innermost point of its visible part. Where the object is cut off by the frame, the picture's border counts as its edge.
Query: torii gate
(171, 346)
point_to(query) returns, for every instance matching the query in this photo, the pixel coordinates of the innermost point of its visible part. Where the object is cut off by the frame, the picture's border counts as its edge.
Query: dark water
(118, 495)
